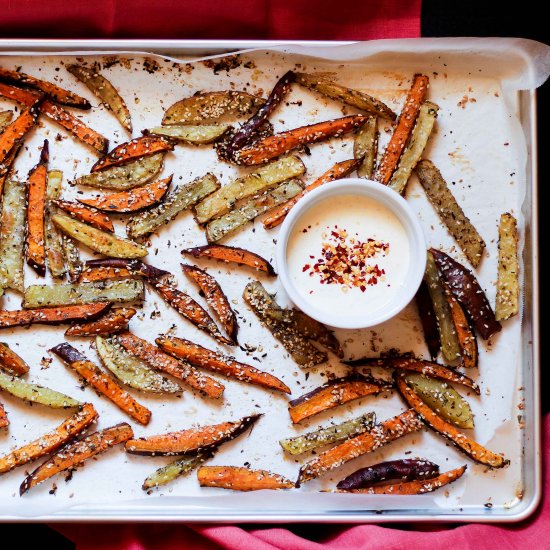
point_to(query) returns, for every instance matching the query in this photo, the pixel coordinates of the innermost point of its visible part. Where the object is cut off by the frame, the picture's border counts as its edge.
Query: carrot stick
(241, 479)
(86, 214)
(113, 321)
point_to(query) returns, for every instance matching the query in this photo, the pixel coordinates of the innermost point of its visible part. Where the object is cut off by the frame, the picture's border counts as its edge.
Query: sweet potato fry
(271, 147)
(339, 170)
(332, 394)
(115, 320)
(134, 268)
(190, 440)
(4, 421)
(76, 453)
(52, 315)
(470, 447)
(507, 300)
(216, 362)
(428, 319)
(241, 479)
(102, 383)
(215, 298)
(405, 125)
(231, 254)
(11, 362)
(140, 147)
(159, 360)
(6, 166)
(54, 92)
(15, 132)
(131, 201)
(382, 434)
(50, 441)
(85, 214)
(94, 274)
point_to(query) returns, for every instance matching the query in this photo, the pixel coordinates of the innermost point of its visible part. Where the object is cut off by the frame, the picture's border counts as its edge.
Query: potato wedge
(450, 212)
(105, 91)
(325, 436)
(4, 421)
(220, 227)
(382, 434)
(126, 290)
(73, 454)
(131, 201)
(179, 199)
(219, 363)
(428, 319)
(172, 471)
(51, 441)
(53, 239)
(122, 178)
(131, 371)
(507, 301)
(114, 320)
(5, 118)
(99, 241)
(209, 107)
(11, 362)
(355, 98)
(85, 214)
(71, 255)
(198, 135)
(36, 394)
(190, 440)
(102, 383)
(6, 167)
(365, 147)
(241, 479)
(14, 133)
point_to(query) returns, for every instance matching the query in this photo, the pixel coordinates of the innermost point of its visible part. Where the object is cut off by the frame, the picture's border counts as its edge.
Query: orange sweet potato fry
(92, 274)
(114, 320)
(86, 214)
(238, 478)
(15, 132)
(3, 417)
(11, 362)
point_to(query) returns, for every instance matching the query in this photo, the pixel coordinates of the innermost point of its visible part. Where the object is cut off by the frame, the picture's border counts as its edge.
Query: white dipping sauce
(321, 228)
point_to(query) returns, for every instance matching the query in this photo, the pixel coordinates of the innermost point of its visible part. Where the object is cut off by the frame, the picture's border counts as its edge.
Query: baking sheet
(480, 146)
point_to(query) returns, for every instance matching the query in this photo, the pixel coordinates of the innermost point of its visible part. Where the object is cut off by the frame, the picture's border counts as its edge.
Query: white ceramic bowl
(415, 268)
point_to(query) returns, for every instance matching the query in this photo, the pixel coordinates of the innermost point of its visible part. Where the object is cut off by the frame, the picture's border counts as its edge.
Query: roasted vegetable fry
(507, 302)
(72, 257)
(231, 254)
(241, 479)
(223, 199)
(126, 290)
(450, 212)
(51, 316)
(403, 469)
(470, 447)
(114, 320)
(87, 215)
(428, 319)
(215, 298)
(333, 394)
(382, 434)
(301, 350)
(135, 268)
(199, 135)
(263, 150)
(5, 118)
(179, 199)
(52, 238)
(131, 201)
(159, 360)
(93, 274)
(12, 236)
(132, 371)
(122, 178)
(211, 106)
(11, 362)
(36, 394)
(75, 453)
(443, 399)
(50, 441)
(143, 146)
(102, 383)
(105, 91)
(466, 290)
(6, 167)
(216, 362)
(250, 209)
(178, 468)
(15, 132)
(190, 440)
(325, 436)
(339, 170)
(417, 143)
(365, 147)
(4, 421)
(405, 124)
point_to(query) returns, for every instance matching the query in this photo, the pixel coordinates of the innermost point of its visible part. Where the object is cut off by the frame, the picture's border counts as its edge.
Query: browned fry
(11, 362)
(134, 268)
(271, 147)
(339, 170)
(161, 361)
(114, 320)
(215, 298)
(405, 125)
(50, 441)
(15, 132)
(383, 433)
(238, 478)
(216, 362)
(102, 383)
(86, 214)
(3, 417)
(76, 453)
(7, 166)
(131, 201)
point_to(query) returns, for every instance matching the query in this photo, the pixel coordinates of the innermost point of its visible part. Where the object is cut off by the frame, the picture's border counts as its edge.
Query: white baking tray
(486, 148)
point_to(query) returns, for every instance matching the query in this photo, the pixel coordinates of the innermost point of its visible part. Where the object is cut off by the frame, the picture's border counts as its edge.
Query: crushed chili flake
(344, 260)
